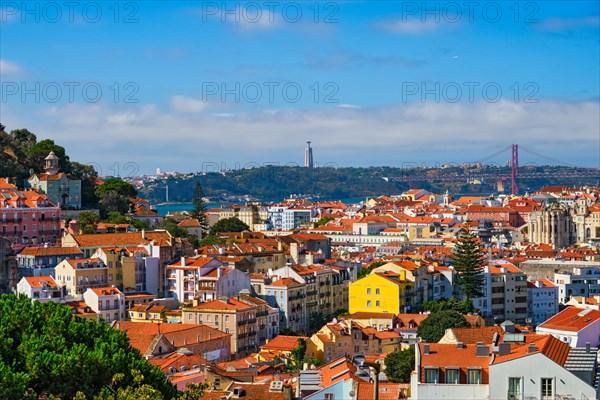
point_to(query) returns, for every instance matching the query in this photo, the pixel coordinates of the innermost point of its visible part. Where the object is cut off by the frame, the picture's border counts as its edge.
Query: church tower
(51, 165)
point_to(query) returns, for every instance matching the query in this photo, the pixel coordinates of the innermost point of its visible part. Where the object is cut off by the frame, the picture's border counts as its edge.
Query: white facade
(293, 217)
(589, 334)
(106, 302)
(530, 373)
(542, 301)
(42, 288)
(429, 391)
(581, 282)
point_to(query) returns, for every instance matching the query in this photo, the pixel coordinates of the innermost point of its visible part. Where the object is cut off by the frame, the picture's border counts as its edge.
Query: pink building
(27, 217)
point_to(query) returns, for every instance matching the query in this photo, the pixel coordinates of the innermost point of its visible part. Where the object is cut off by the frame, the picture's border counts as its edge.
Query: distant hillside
(273, 183)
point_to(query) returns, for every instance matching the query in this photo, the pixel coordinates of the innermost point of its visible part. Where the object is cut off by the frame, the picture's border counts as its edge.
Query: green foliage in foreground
(399, 365)
(45, 350)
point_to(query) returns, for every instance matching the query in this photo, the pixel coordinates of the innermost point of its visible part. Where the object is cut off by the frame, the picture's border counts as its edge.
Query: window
(514, 388)
(328, 396)
(190, 316)
(368, 290)
(368, 303)
(377, 303)
(377, 291)
(452, 376)
(546, 388)
(431, 375)
(474, 376)
(227, 318)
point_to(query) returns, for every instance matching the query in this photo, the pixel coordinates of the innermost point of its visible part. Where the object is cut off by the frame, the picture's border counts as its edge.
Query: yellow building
(381, 292)
(80, 274)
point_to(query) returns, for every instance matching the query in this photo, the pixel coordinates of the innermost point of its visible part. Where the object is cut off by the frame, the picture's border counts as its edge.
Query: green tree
(115, 217)
(44, 349)
(366, 271)
(211, 240)
(399, 365)
(316, 321)
(88, 222)
(199, 211)
(229, 225)
(40, 150)
(469, 262)
(117, 185)
(170, 225)
(323, 220)
(433, 327)
(462, 306)
(88, 176)
(299, 353)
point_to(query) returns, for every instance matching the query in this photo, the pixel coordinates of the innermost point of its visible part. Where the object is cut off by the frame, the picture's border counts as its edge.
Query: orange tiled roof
(50, 251)
(283, 343)
(550, 346)
(572, 319)
(286, 282)
(387, 391)
(36, 282)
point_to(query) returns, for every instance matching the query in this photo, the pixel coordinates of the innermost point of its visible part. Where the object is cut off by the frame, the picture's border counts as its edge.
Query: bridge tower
(514, 172)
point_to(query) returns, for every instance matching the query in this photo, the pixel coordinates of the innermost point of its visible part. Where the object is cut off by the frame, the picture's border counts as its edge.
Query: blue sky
(189, 85)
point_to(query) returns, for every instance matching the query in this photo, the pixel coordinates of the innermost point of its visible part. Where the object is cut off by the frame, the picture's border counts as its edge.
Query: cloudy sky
(209, 85)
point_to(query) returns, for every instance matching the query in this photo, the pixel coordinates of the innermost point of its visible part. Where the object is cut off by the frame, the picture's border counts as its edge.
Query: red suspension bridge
(477, 170)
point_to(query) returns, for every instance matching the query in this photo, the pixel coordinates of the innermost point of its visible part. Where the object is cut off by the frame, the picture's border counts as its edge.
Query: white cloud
(9, 68)
(183, 104)
(566, 24)
(389, 135)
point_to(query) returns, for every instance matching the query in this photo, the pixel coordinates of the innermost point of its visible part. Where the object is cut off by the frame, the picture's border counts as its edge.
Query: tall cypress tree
(199, 211)
(469, 263)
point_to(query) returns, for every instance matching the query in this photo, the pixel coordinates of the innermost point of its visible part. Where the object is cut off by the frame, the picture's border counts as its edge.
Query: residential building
(289, 297)
(545, 368)
(107, 302)
(230, 316)
(41, 288)
(505, 292)
(451, 371)
(161, 339)
(381, 292)
(575, 326)
(28, 217)
(542, 300)
(267, 317)
(80, 274)
(60, 188)
(39, 261)
(148, 312)
(583, 281)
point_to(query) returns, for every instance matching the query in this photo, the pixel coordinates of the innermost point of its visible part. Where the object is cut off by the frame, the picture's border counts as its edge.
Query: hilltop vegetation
(273, 183)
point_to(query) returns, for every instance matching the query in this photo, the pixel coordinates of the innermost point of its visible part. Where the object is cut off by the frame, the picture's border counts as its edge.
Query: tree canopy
(399, 365)
(433, 327)
(88, 222)
(462, 306)
(229, 225)
(199, 211)
(44, 350)
(469, 262)
(366, 271)
(114, 195)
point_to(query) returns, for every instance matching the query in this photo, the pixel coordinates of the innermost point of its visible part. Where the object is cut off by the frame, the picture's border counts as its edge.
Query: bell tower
(51, 164)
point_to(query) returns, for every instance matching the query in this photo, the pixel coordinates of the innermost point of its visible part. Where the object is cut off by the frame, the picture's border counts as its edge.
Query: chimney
(182, 261)
(143, 234)
(503, 349)
(426, 348)
(460, 345)
(531, 348)
(588, 347)
(482, 350)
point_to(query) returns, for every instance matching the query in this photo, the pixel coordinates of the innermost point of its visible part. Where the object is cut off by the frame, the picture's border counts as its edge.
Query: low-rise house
(575, 326)
(41, 288)
(148, 312)
(107, 302)
(282, 345)
(452, 371)
(545, 368)
(160, 339)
